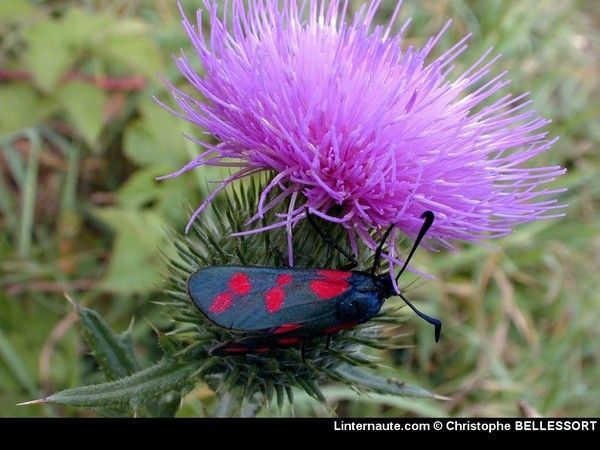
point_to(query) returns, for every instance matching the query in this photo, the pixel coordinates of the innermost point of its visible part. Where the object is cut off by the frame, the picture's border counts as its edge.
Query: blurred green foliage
(81, 141)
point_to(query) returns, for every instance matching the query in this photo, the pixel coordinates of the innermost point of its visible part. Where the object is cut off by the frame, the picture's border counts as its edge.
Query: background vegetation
(80, 144)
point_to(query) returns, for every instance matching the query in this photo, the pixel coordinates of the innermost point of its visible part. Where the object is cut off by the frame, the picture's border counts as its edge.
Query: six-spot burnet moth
(282, 307)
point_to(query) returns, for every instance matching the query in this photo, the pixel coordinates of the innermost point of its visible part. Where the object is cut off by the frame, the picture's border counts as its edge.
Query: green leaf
(156, 139)
(422, 407)
(54, 46)
(49, 53)
(84, 105)
(139, 236)
(14, 10)
(30, 188)
(22, 107)
(141, 146)
(15, 364)
(129, 46)
(86, 30)
(135, 390)
(110, 350)
(126, 341)
(142, 190)
(376, 383)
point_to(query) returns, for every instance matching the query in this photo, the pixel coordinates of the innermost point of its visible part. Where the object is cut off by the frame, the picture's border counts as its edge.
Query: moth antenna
(437, 323)
(429, 217)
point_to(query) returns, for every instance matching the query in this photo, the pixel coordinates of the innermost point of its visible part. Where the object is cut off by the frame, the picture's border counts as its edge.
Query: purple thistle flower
(344, 116)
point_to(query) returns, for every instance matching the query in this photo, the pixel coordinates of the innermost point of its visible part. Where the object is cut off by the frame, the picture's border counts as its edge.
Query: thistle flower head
(359, 127)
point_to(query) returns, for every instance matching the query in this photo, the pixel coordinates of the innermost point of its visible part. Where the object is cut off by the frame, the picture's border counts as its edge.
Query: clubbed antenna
(429, 217)
(437, 323)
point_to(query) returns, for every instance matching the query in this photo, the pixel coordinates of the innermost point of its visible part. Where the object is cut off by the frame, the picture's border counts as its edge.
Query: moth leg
(350, 266)
(379, 250)
(328, 342)
(353, 262)
(282, 260)
(303, 351)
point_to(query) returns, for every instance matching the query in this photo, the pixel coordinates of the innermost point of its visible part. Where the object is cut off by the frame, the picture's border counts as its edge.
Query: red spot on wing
(288, 340)
(284, 278)
(338, 328)
(236, 349)
(326, 289)
(221, 303)
(239, 283)
(335, 274)
(274, 299)
(286, 328)
(262, 349)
